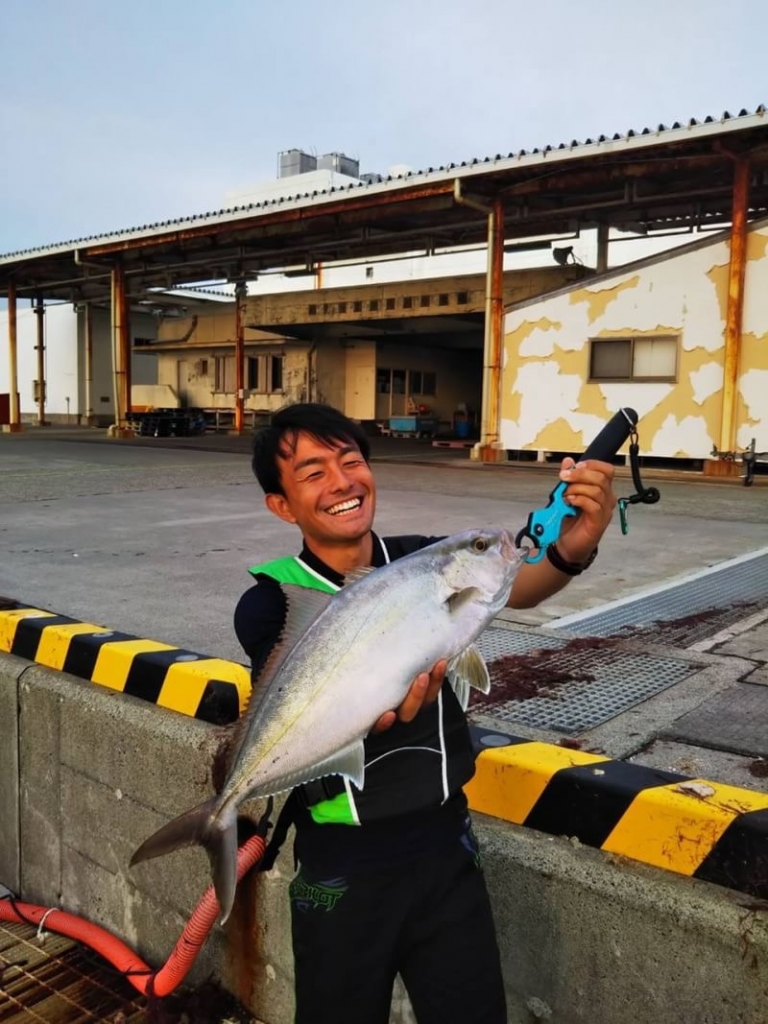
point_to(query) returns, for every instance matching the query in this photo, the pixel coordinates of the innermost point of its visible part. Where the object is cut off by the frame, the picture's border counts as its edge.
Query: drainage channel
(583, 678)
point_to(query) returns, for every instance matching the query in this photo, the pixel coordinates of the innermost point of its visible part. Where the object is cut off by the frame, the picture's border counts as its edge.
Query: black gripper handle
(612, 436)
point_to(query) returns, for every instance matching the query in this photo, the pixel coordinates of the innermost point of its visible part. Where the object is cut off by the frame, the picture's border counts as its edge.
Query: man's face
(329, 493)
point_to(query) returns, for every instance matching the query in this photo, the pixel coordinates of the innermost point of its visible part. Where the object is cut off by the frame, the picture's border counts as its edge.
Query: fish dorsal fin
(466, 670)
(303, 607)
(349, 762)
(358, 573)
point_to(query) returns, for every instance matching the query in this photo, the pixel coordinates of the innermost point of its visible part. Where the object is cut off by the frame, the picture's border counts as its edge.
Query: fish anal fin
(349, 762)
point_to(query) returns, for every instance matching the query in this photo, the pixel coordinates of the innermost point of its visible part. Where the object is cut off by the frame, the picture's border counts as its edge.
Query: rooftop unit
(340, 163)
(296, 161)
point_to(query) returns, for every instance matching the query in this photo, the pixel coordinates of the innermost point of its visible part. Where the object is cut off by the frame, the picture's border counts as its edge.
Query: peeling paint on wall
(548, 401)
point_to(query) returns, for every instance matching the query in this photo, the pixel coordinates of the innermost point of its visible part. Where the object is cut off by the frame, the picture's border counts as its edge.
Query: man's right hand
(422, 692)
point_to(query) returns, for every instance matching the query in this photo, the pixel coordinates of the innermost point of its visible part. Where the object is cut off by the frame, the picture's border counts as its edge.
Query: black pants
(428, 920)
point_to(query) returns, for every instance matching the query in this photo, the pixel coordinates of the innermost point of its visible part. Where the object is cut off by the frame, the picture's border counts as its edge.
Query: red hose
(157, 983)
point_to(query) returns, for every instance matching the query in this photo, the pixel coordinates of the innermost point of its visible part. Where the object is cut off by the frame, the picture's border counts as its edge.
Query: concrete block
(149, 928)
(11, 670)
(41, 697)
(732, 720)
(588, 937)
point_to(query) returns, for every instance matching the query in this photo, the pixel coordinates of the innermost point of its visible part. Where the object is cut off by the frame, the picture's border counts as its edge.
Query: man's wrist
(564, 565)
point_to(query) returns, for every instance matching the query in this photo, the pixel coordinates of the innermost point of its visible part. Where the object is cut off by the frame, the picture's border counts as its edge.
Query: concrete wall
(87, 773)
(548, 402)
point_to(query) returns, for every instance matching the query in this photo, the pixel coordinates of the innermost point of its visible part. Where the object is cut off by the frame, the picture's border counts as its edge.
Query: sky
(118, 114)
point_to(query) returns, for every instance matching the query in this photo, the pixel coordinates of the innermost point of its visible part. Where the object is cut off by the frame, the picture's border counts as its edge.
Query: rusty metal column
(14, 423)
(88, 364)
(126, 353)
(119, 346)
(494, 329)
(735, 308)
(40, 349)
(241, 290)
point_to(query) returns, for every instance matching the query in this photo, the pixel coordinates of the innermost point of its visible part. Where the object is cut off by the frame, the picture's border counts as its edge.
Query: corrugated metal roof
(575, 149)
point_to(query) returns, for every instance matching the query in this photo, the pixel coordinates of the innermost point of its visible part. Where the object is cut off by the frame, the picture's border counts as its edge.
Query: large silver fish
(341, 662)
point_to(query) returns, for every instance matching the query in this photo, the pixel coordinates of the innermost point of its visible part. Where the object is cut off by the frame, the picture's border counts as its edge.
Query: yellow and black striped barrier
(210, 689)
(693, 827)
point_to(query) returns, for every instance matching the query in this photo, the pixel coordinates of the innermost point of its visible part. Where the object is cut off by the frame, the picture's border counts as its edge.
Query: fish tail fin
(201, 826)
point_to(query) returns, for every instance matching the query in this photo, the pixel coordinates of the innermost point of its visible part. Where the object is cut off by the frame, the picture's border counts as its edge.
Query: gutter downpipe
(735, 308)
(487, 449)
(14, 422)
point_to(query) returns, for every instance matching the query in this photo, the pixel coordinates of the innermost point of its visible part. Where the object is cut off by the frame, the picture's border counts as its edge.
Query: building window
(408, 302)
(369, 272)
(224, 375)
(203, 367)
(424, 301)
(276, 373)
(390, 303)
(312, 309)
(252, 374)
(342, 307)
(641, 358)
(442, 300)
(421, 382)
(383, 381)
(373, 305)
(462, 299)
(358, 306)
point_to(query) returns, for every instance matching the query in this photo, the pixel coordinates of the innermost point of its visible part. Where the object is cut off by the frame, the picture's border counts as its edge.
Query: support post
(121, 352)
(89, 364)
(488, 449)
(39, 307)
(14, 424)
(241, 290)
(735, 308)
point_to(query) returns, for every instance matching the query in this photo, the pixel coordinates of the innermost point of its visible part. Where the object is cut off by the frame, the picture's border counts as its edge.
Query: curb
(209, 689)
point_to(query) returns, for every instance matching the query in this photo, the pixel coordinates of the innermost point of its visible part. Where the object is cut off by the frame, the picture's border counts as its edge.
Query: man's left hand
(589, 490)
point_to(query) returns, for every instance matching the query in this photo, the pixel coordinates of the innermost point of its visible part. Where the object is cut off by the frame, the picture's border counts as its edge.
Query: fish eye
(480, 544)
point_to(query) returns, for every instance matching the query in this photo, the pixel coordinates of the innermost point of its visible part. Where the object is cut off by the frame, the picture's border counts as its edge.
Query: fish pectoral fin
(466, 670)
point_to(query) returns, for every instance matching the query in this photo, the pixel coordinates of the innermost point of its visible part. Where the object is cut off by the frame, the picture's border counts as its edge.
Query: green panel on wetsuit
(337, 811)
(290, 570)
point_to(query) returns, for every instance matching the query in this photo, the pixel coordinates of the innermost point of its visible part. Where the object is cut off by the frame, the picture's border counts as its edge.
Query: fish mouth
(508, 550)
(347, 507)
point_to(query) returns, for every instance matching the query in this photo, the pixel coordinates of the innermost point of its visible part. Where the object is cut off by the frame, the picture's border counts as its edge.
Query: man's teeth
(345, 506)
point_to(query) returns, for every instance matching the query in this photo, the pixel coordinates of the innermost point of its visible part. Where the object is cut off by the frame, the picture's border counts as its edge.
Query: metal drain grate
(60, 982)
(620, 681)
(728, 588)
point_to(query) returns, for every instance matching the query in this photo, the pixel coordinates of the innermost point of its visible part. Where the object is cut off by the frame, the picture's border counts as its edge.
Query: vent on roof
(296, 161)
(340, 163)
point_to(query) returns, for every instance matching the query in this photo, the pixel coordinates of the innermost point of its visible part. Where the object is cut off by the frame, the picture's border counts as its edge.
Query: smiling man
(389, 877)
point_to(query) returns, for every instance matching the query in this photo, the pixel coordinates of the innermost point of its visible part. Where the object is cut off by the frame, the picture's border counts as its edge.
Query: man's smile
(346, 507)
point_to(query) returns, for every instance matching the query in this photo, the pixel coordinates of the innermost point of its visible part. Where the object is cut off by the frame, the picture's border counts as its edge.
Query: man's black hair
(322, 422)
